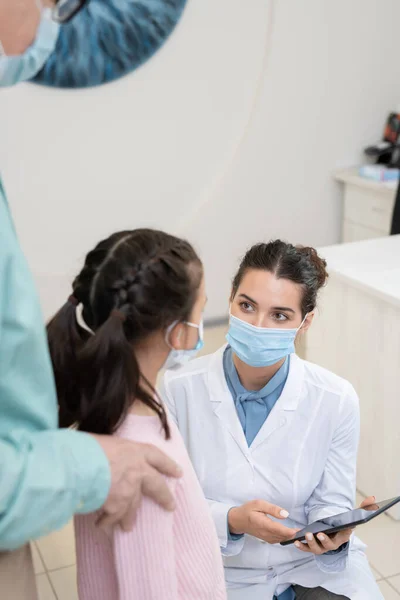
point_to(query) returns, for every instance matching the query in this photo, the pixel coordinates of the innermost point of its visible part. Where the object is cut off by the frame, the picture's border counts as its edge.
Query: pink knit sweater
(167, 556)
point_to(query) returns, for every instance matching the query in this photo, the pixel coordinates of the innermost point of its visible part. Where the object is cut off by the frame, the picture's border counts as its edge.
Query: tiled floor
(54, 556)
(382, 537)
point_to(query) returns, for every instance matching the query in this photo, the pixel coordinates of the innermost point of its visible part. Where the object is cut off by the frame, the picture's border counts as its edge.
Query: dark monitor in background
(395, 230)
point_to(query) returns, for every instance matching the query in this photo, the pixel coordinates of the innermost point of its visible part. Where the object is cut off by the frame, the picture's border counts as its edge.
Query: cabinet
(367, 206)
(356, 334)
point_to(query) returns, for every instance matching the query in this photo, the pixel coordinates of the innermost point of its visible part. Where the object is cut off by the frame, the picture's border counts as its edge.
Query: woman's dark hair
(299, 264)
(133, 283)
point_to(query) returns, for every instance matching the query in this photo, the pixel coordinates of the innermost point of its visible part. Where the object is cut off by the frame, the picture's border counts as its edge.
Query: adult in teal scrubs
(47, 475)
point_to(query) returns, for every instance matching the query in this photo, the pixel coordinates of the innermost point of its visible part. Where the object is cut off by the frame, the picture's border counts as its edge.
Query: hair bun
(318, 263)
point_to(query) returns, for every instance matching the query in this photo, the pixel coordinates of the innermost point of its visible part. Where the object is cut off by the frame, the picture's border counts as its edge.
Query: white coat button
(282, 422)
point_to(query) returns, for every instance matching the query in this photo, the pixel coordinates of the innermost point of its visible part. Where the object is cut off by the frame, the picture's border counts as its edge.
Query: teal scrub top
(46, 474)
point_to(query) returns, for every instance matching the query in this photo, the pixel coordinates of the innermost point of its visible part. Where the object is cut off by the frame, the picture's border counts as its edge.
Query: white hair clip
(80, 320)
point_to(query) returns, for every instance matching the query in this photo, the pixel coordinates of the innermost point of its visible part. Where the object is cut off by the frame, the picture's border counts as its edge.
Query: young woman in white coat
(274, 437)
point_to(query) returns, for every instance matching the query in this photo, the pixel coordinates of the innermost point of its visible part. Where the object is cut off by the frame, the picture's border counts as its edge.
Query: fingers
(367, 501)
(136, 469)
(328, 544)
(342, 537)
(270, 509)
(124, 515)
(270, 531)
(155, 487)
(370, 503)
(280, 531)
(108, 520)
(312, 546)
(162, 463)
(128, 520)
(303, 547)
(153, 484)
(322, 543)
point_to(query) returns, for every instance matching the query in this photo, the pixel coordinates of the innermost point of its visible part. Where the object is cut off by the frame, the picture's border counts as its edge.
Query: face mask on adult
(260, 346)
(22, 67)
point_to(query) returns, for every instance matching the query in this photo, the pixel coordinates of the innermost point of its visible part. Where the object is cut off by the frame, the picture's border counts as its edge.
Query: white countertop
(371, 265)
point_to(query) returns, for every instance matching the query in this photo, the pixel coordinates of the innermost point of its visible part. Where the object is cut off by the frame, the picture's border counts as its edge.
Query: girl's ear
(176, 337)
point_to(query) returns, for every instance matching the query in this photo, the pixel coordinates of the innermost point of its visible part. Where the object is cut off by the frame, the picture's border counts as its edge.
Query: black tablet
(346, 520)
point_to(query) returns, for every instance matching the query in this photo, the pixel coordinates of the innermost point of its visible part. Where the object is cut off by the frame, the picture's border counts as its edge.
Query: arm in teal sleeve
(45, 478)
(46, 475)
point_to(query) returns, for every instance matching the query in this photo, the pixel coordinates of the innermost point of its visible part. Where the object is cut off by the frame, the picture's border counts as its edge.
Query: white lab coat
(303, 459)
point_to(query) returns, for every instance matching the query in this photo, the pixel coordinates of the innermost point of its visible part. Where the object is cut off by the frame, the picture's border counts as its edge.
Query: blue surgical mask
(260, 346)
(14, 69)
(178, 358)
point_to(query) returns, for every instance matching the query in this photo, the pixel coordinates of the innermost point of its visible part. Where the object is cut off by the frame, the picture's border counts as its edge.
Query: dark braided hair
(133, 283)
(299, 264)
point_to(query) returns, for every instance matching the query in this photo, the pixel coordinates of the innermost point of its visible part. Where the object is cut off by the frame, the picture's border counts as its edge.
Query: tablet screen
(348, 518)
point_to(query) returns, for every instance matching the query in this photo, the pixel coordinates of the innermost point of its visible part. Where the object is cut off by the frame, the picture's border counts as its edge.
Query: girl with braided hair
(136, 307)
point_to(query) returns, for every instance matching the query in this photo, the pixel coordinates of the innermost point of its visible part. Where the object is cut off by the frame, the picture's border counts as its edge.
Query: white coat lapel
(222, 401)
(288, 401)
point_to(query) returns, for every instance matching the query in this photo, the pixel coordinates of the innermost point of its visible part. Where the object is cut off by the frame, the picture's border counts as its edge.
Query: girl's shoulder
(149, 430)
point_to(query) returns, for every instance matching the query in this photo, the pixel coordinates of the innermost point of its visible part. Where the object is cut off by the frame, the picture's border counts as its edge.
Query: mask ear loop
(200, 329)
(302, 323)
(168, 333)
(192, 324)
(170, 328)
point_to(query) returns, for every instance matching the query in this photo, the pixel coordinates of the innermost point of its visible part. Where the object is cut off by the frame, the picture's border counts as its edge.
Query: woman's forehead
(267, 290)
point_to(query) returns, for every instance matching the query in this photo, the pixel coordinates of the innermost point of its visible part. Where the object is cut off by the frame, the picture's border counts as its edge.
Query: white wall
(214, 138)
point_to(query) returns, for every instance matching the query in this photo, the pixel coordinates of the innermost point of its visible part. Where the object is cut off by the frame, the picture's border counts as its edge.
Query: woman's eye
(280, 317)
(246, 306)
